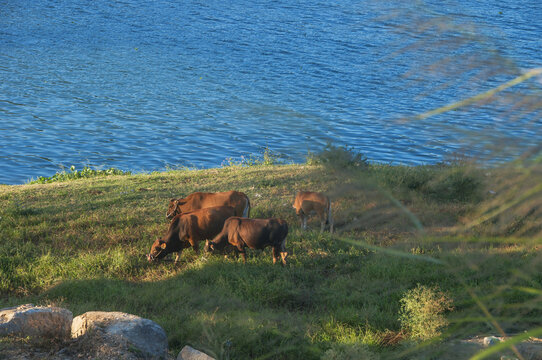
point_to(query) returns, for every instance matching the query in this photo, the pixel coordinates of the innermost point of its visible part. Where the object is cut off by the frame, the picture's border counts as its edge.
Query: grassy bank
(463, 232)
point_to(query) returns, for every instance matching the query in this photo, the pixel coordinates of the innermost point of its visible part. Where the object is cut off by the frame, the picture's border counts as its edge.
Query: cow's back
(258, 233)
(200, 200)
(310, 201)
(208, 222)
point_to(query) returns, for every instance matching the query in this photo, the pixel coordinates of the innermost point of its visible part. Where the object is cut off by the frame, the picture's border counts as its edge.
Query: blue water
(147, 85)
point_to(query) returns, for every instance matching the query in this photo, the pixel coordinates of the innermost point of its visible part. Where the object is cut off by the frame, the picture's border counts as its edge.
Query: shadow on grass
(224, 308)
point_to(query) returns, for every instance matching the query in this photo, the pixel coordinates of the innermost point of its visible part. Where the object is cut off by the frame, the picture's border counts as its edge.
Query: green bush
(455, 184)
(338, 157)
(422, 312)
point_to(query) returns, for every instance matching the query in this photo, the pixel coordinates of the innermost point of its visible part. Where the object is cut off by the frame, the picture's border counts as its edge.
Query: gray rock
(143, 334)
(188, 353)
(36, 321)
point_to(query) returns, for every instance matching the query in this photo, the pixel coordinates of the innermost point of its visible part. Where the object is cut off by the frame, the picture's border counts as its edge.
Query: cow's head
(158, 250)
(298, 210)
(173, 209)
(297, 204)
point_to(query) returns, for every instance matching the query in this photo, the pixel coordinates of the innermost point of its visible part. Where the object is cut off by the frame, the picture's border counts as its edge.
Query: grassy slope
(81, 245)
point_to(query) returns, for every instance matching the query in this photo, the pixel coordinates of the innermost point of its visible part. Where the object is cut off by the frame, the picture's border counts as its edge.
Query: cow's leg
(244, 256)
(195, 246)
(323, 220)
(283, 253)
(304, 222)
(330, 220)
(177, 257)
(276, 254)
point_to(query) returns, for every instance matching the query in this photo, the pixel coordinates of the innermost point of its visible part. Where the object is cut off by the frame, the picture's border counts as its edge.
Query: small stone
(491, 340)
(188, 353)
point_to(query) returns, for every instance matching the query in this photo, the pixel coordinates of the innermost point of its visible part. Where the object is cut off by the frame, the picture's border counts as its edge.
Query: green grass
(81, 244)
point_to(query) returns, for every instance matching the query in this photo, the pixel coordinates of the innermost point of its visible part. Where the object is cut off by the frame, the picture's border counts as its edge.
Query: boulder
(36, 321)
(188, 353)
(143, 334)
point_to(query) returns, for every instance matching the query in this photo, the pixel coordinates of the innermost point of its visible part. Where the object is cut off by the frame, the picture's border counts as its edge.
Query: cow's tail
(246, 211)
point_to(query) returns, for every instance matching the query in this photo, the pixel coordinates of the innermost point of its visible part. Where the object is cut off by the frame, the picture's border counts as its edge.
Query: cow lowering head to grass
(307, 203)
(254, 234)
(200, 200)
(188, 229)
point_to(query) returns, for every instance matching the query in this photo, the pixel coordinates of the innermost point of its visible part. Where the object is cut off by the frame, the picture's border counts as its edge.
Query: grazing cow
(189, 229)
(307, 203)
(252, 233)
(199, 200)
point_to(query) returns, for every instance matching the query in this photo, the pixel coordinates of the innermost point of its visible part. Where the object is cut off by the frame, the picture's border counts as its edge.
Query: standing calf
(254, 234)
(307, 203)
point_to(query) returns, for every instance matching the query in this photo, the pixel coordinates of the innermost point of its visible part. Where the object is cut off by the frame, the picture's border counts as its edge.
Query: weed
(267, 158)
(73, 174)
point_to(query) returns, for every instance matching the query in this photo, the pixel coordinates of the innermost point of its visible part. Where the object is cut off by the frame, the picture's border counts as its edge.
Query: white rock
(188, 353)
(36, 321)
(144, 334)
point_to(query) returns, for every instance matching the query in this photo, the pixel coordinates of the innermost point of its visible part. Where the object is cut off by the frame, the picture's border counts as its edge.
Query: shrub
(422, 312)
(456, 184)
(339, 157)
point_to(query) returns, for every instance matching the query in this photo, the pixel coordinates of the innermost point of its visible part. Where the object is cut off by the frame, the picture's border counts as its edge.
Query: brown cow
(199, 200)
(307, 203)
(252, 233)
(189, 229)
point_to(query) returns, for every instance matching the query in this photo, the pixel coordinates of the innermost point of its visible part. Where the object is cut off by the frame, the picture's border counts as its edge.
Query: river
(151, 85)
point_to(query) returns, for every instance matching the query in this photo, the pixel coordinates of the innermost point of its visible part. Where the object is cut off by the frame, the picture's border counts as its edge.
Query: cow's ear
(163, 246)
